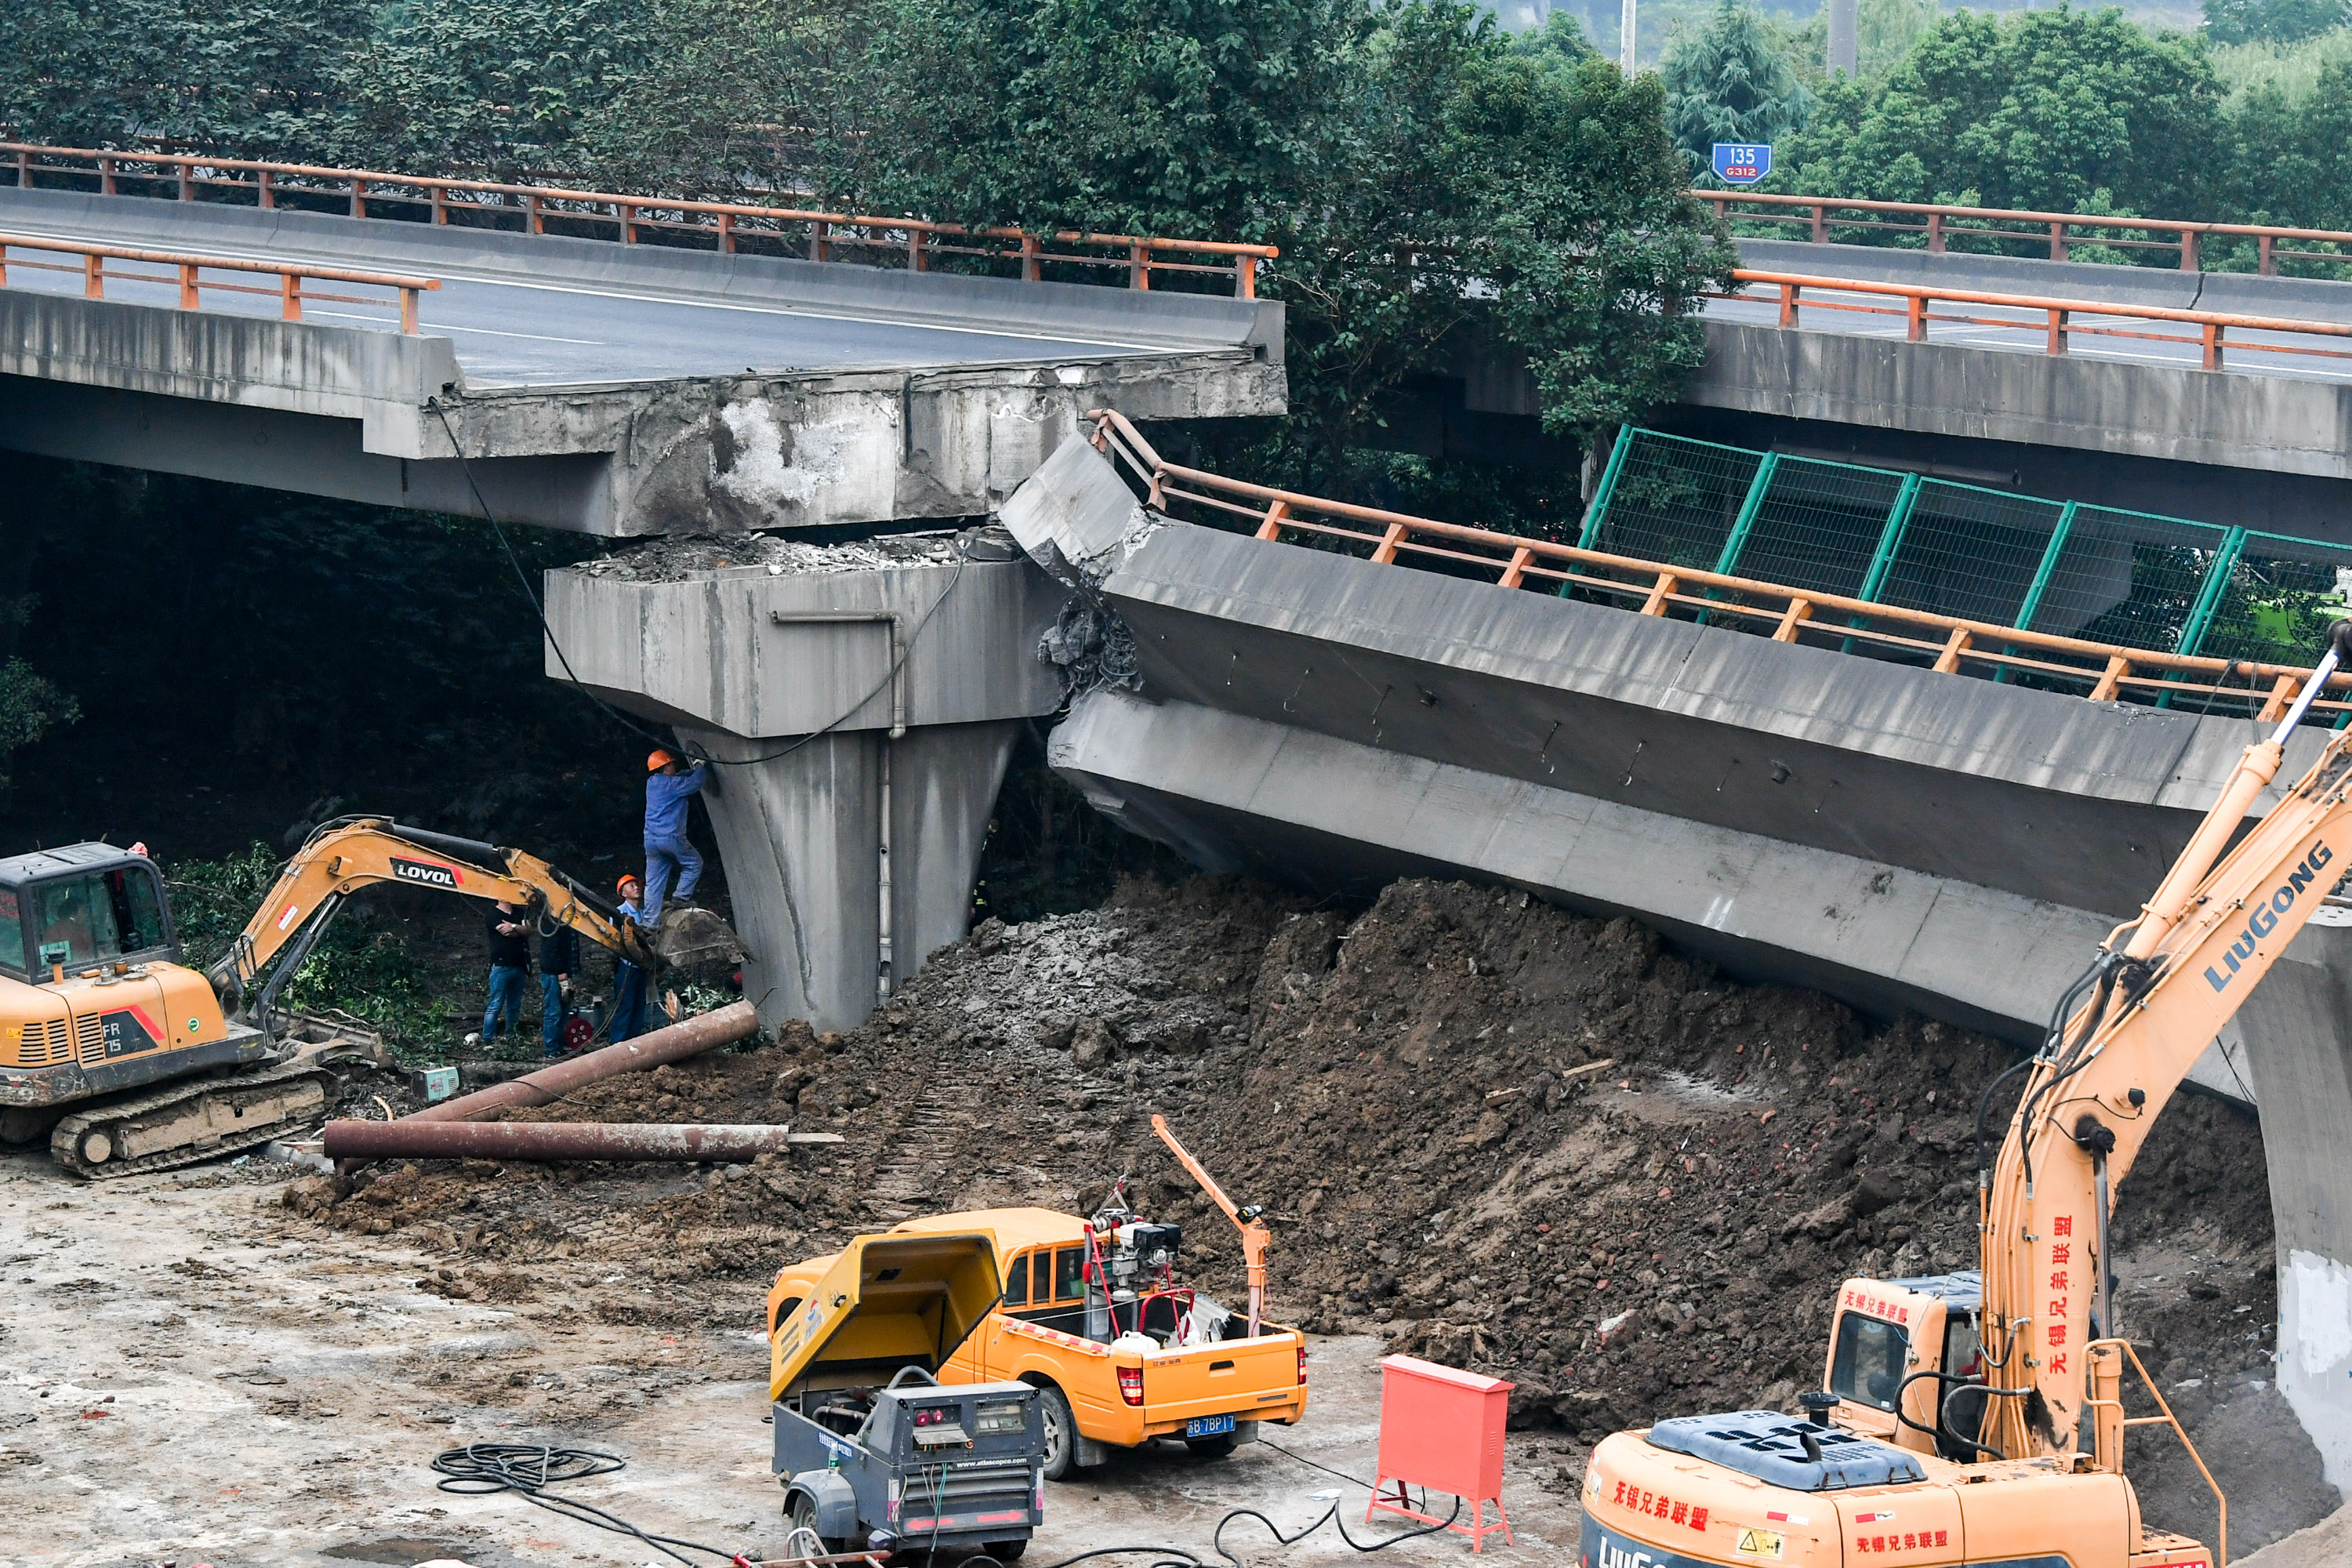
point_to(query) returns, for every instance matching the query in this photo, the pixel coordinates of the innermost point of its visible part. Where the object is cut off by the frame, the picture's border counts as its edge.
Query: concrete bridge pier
(2298, 1031)
(865, 699)
(850, 856)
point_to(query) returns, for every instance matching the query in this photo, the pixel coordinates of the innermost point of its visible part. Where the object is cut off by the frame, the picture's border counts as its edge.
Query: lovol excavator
(1979, 1417)
(98, 1013)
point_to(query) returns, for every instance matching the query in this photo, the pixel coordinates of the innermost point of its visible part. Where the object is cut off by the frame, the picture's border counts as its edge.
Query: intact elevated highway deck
(614, 389)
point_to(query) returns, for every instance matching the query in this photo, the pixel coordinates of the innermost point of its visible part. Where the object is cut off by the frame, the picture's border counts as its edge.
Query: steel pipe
(412, 1140)
(691, 1036)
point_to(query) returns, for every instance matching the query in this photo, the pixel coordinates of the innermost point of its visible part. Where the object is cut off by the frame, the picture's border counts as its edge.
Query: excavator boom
(354, 853)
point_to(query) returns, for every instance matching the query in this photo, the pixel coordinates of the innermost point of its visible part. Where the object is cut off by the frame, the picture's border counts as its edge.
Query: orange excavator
(132, 1061)
(1979, 1417)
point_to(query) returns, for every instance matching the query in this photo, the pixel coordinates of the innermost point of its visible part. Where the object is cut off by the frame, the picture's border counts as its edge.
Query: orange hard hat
(658, 761)
(627, 877)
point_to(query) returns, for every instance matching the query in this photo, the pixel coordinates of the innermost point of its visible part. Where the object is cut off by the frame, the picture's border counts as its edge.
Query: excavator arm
(1249, 1221)
(2153, 999)
(354, 853)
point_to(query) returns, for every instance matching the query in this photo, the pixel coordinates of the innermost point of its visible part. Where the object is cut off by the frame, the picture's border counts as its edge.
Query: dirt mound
(1418, 1095)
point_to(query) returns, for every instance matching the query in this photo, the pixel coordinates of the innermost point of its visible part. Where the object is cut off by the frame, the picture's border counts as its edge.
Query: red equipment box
(1441, 1430)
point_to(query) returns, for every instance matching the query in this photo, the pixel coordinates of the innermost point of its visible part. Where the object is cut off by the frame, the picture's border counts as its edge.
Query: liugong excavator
(1978, 1418)
(97, 1011)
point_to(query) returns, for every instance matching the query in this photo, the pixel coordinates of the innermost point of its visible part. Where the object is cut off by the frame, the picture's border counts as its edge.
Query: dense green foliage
(2271, 21)
(2059, 111)
(1730, 81)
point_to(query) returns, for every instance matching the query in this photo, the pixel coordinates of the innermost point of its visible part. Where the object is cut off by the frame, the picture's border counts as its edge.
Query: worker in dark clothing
(559, 955)
(510, 962)
(668, 781)
(628, 980)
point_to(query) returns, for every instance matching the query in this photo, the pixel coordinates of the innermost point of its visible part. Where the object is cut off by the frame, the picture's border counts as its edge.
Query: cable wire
(528, 1469)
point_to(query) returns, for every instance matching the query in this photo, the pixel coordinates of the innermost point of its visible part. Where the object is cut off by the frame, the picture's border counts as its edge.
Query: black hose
(1984, 1107)
(527, 1470)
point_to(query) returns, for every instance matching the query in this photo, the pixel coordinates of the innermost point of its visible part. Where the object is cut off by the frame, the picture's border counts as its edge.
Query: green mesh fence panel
(1675, 500)
(2275, 606)
(2128, 578)
(1819, 525)
(1968, 551)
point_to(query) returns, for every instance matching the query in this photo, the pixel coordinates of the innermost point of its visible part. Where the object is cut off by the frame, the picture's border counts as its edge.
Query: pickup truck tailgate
(1229, 1377)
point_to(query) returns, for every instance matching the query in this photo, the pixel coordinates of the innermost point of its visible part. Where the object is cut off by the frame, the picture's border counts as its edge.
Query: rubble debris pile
(1417, 1093)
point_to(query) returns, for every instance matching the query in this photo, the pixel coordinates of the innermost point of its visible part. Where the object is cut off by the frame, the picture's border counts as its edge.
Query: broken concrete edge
(1159, 317)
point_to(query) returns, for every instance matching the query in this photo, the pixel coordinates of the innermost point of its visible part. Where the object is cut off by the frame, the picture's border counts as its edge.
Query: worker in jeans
(628, 980)
(510, 962)
(669, 782)
(559, 955)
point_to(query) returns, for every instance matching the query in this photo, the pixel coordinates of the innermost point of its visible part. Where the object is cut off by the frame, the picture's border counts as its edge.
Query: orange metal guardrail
(1950, 643)
(2058, 315)
(728, 223)
(188, 275)
(1941, 223)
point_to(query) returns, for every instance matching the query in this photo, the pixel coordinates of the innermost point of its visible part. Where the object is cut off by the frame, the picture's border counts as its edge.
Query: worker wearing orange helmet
(669, 780)
(628, 980)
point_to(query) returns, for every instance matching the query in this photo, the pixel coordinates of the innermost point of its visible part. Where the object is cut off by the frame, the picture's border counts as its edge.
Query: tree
(2059, 111)
(2271, 21)
(1729, 81)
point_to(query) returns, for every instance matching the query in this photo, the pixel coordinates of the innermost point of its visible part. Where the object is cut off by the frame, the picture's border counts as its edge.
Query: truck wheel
(1215, 1447)
(1006, 1551)
(802, 1514)
(1061, 1433)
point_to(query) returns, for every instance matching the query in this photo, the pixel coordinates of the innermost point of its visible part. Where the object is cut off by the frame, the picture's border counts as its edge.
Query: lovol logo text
(2263, 918)
(424, 872)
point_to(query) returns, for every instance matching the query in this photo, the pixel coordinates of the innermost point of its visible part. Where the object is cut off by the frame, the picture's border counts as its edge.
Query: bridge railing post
(265, 188)
(2269, 259)
(1915, 318)
(187, 168)
(188, 286)
(359, 197)
(1821, 223)
(727, 233)
(1787, 304)
(2058, 242)
(106, 177)
(1139, 266)
(93, 277)
(2057, 344)
(1245, 276)
(1936, 233)
(25, 171)
(2212, 336)
(440, 201)
(289, 286)
(818, 230)
(919, 254)
(1031, 268)
(2189, 259)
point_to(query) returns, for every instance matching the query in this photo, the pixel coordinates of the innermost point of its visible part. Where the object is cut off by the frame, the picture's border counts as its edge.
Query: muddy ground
(1413, 1091)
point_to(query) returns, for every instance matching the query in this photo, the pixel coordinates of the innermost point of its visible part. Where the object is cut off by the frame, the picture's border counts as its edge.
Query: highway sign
(1742, 163)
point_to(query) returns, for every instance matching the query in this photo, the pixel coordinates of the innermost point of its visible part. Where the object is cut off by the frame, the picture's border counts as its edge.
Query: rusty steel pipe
(692, 1036)
(412, 1140)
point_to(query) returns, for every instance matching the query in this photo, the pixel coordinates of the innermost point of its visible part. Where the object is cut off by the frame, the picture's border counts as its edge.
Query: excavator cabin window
(95, 919)
(1871, 1356)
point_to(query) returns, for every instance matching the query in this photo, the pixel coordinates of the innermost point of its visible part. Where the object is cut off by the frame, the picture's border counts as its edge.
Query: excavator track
(191, 1121)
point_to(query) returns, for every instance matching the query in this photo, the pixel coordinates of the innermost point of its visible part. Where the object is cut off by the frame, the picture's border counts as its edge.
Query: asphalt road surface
(553, 333)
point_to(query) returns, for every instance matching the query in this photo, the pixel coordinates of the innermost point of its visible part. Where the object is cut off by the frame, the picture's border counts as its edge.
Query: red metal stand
(1441, 1429)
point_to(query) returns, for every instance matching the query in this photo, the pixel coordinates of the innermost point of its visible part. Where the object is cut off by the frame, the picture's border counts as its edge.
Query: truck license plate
(1208, 1426)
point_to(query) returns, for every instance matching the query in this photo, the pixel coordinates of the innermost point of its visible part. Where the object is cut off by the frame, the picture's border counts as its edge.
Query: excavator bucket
(695, 942)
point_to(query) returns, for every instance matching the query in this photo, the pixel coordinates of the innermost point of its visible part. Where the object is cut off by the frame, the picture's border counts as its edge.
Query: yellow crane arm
(1255, 1238)
(345, 856)
(2154, 998)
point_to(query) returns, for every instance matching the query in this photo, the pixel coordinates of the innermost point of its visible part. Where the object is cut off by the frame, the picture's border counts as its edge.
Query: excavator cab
(1906, 1364)
(66, 910)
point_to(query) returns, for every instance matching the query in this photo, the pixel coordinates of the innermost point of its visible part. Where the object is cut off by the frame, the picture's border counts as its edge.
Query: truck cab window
(1069, 1273)
(1016, 1282)
(1867, 1367)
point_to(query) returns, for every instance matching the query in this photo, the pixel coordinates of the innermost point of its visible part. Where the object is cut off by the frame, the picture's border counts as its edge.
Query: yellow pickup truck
(1092, 1317)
